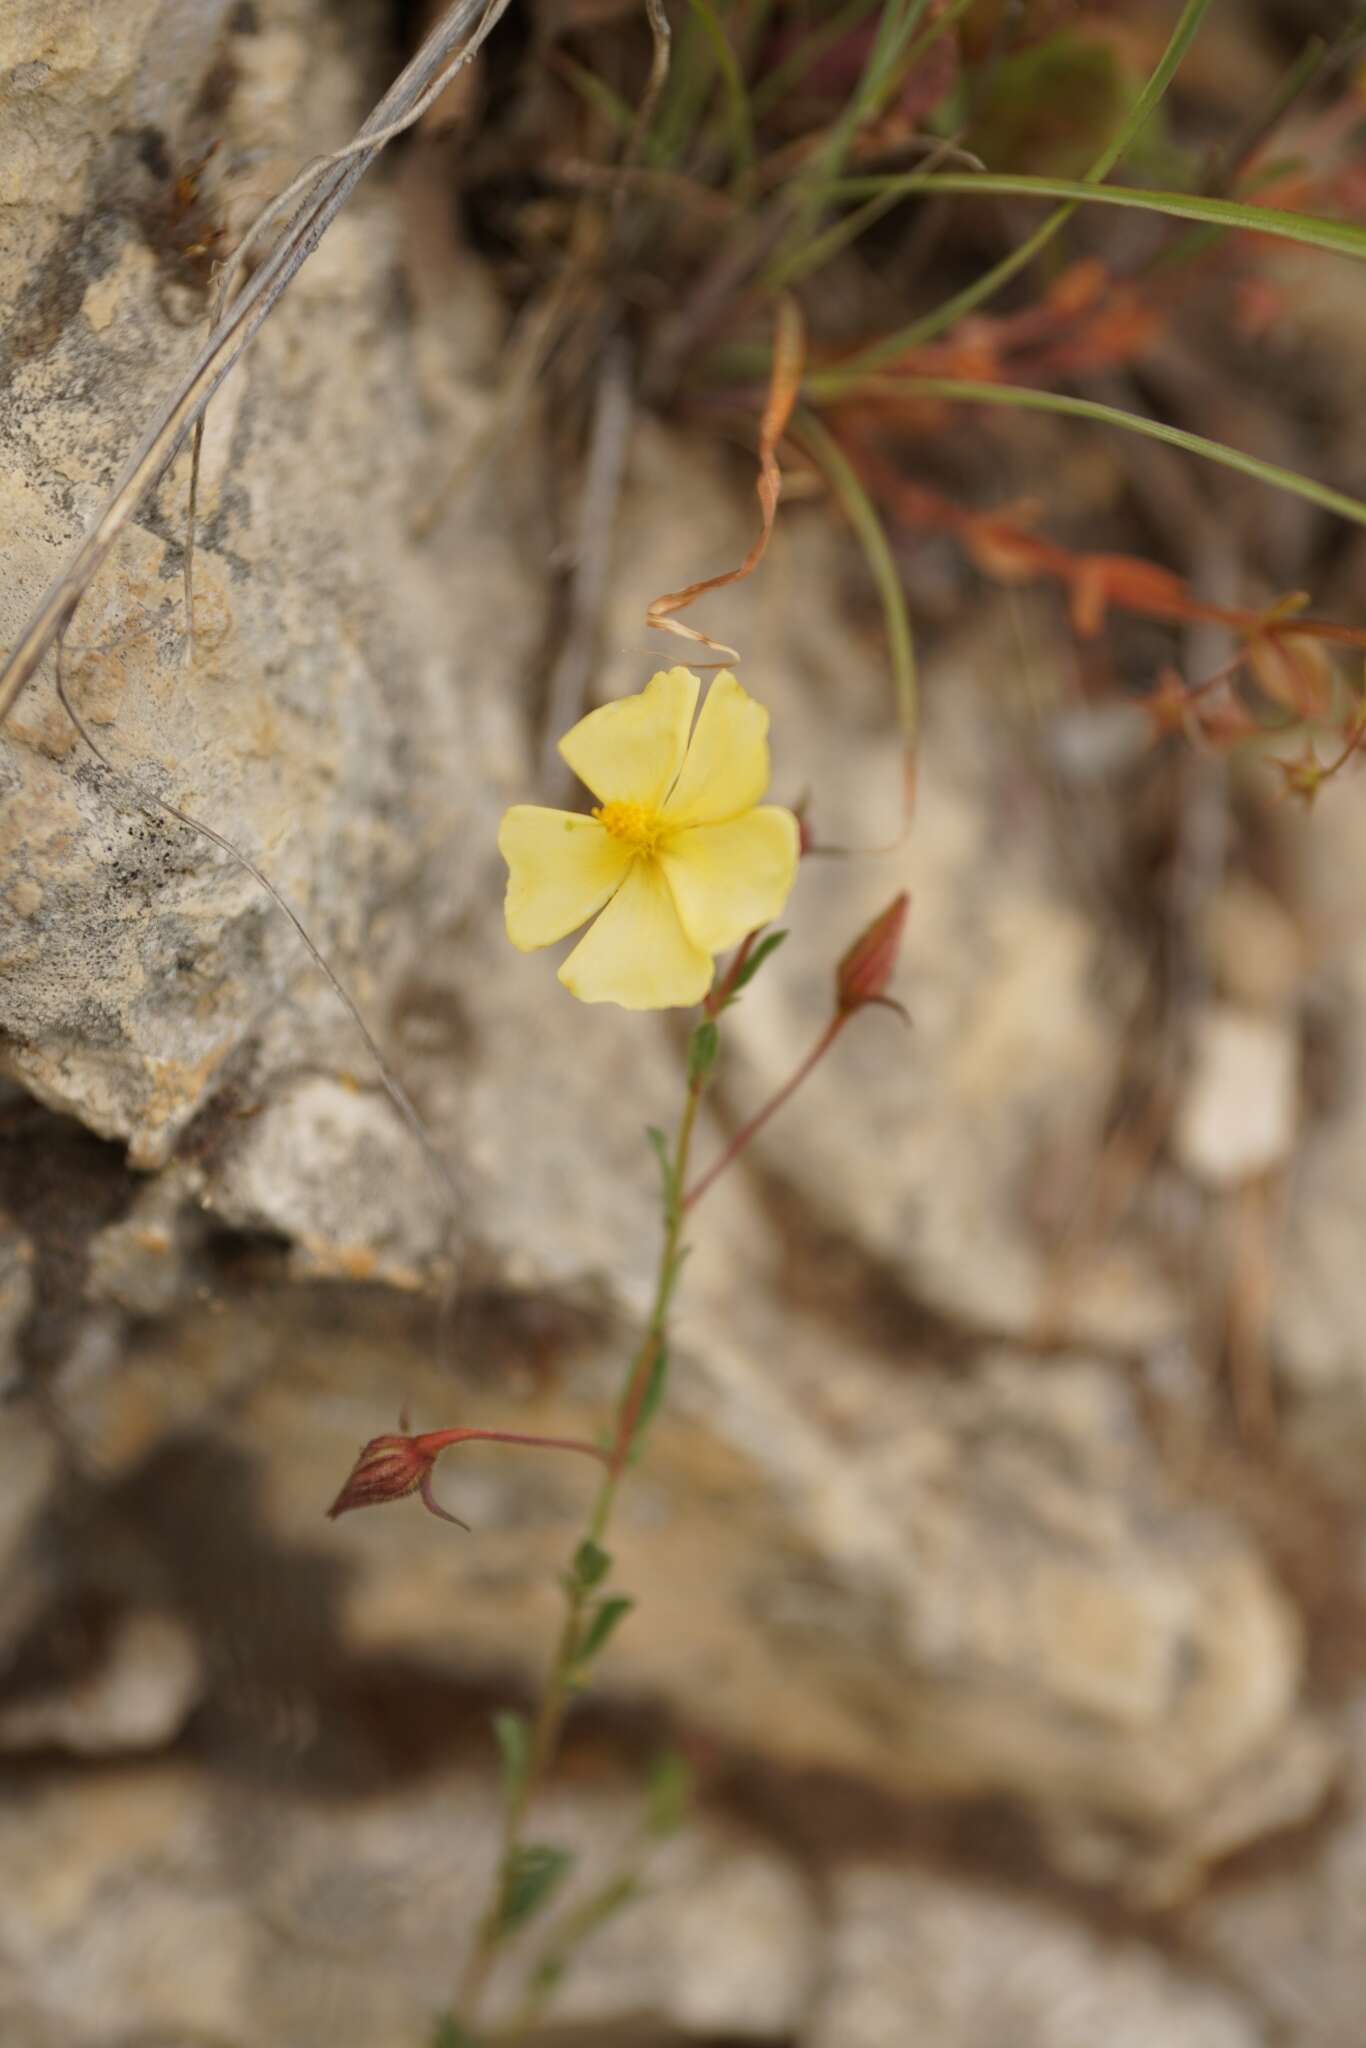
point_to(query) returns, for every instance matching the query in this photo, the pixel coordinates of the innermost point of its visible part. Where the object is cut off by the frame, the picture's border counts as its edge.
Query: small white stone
(1238, 1113)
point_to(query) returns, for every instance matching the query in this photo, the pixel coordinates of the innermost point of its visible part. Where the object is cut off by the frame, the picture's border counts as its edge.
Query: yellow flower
(678, 861)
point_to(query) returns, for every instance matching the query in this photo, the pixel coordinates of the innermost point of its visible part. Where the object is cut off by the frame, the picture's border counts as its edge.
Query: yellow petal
(726, 771)
(726, 879)
(561, 869)
(638, 954)
(630, 751)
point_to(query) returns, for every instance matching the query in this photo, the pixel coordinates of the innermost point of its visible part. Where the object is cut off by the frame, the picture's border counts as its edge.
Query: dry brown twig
(789, 360)
(328, 184)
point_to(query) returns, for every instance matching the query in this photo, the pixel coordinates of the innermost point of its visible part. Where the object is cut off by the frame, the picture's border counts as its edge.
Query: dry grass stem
(329, 186)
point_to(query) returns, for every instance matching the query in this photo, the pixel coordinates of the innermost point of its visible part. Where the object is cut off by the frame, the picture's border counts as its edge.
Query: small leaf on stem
(514, 1744)
(602, 1624)
(534, 1873)
(591, 1564)
(703, 1047)
(651, 1398)
(766, 946)
(659, 1145)
(669, 1793)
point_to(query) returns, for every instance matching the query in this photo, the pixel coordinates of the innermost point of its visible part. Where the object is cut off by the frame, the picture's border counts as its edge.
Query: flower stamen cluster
(635, 825)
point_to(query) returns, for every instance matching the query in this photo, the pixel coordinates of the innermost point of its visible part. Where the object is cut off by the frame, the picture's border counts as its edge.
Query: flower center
(635, 825)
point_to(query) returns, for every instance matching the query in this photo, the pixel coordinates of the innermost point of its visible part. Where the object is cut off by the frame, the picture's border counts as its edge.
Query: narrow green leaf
(767, 945)
(616, 1893)
(591, 1564)
(668, 1793)
(1026, 400)
(862, 516)
(534, 1874)
(736, 93)
(651, 1398)
(659, 1145)
(770, 90)
(703, 1047)
(584, 1921)
(1343, 238)
(604, 1621)
(514, 1743)
(791, 266)
(597, 92)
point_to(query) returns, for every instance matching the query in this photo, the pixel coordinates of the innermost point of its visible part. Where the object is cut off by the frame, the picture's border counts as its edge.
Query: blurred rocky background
(999, 1556)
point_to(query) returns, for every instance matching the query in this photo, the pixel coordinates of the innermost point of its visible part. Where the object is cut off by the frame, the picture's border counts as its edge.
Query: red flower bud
(389, 1468)
(392, 1467)
(868, 966)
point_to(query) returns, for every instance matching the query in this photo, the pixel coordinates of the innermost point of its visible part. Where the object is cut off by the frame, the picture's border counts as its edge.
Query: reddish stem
(714, 1003)
(437, 1440)
(751, 1130)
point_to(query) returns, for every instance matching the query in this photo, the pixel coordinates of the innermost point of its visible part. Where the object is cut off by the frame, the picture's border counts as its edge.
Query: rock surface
(215, 1912)
(965, 1585)
(931, 1960)
(1237, 1117)
(1291, 1935)
(325, 725)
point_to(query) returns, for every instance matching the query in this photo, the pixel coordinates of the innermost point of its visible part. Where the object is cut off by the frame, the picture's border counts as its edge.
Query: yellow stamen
(635, 825)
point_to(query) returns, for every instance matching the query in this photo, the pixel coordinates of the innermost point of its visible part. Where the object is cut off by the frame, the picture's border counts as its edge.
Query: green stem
(559, 1684)
(863, 517)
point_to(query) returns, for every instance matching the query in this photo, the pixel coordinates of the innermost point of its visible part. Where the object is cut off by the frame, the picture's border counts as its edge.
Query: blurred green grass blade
(1343, 238)
(769, 91)
(689, 83)
(844, 383)
(896, 27)
(800, 257)
(1148, 101)
(739, 120)
(787, 270)
(749, 30)
(863, 517)
(596, 92)
(940, 26)
(931, 325)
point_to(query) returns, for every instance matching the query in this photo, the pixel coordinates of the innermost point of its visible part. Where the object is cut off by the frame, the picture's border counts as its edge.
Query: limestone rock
(138, 1696)
(326, 1167)
(1255, 946)
(238, 1915)
(140, 1263)
(1319, 1299)
(925, 1958)
(28, 1470)
(137, 959)
(949, 1585)
(1239, 1109)
(16, 1296)
(1291, 1932)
